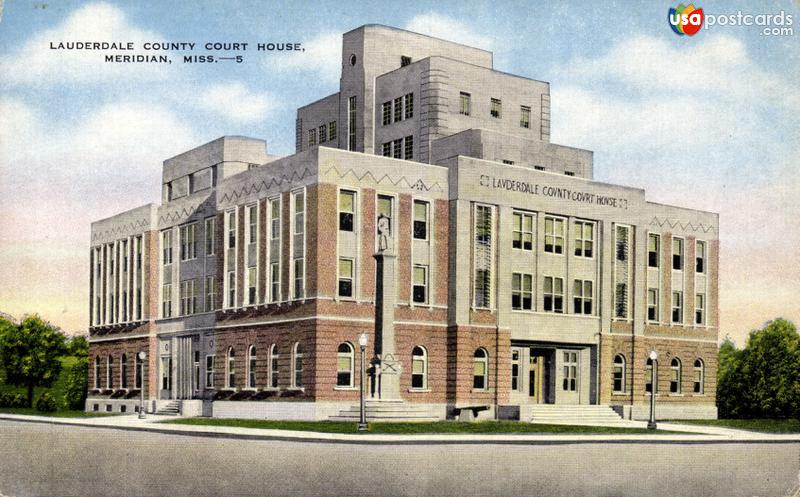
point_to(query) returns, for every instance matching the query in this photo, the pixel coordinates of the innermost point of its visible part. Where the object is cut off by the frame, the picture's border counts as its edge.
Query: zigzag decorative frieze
(263, 185)
(178, 215)
(416, 185)
(132, 227)
(688, 226)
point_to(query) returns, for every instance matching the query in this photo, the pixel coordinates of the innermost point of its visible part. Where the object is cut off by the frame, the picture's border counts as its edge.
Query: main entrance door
(529, 375)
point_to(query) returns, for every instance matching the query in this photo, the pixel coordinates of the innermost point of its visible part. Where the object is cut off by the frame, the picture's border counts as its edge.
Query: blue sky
(709, 121)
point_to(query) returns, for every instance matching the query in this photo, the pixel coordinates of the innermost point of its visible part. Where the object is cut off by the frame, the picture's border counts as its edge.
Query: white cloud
(236, 102)
(448, 28)
(36, 63)
(322, 56)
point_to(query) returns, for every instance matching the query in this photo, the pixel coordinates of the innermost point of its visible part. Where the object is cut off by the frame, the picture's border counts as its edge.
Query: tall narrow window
(251, 367)
(652, 304)
(166, 301)
(210, 242)
(211, 293)
(345, 277)
(408, 103)
(386, 111)
(677, 307)
(496, 108)
(230, 376)
(700, 257)
(299, 213)
(699, 376)
(110, 372)
(331, 130)
(524, 117)
(408, 147)
(387, 149)
(619, 374)
(275, 282)
(385, 209)
(653, 250)
(419, 368)
(554, 235)
(232, 229)
(521, 292)
(252, 224)
(570, 381)
(553, 294)
(97, 372)
(312, 137)
(522, 236)
(420, 220)
(483, 256)
(621, 301)
(252, 285)
(347, 203)
(464, 104)
(231, 289)
(166, 249)
(700, 309)
(420, 285)
(515, 383)
(651, 376)
(196, 385)
(123, 371)
(323, 133)
(209, 371)
(188, 297)
(351, 123)
(398, 109)
(274, 371)
(188, 235)
(480, 369)
(582, 297)
(622, 245)
(344, 365)
(297, 360)
(397, 149)
(677, 254)
(275, 218)
(675, 376)
(299, 278)
(584, 239)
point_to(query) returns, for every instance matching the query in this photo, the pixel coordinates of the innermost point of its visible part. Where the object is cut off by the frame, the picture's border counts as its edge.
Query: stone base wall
(698, 410)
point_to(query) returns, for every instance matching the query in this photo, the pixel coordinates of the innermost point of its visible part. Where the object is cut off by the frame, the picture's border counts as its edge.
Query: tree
(30, 353)
(78, 346)
(77, 384)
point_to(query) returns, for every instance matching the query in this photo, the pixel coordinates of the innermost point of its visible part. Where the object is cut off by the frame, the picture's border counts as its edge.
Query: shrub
(242, 395)
(77, 383)
(46, 403)
(264, 394)
(223, 394)
(8, 399)
(133, 394)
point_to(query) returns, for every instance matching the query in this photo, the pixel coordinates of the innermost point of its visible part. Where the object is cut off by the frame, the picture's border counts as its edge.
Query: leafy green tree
(78, 346)
(30, 353)
(77, 384)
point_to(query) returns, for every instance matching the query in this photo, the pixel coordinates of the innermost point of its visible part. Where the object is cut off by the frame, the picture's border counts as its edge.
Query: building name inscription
(550, 191)
(159, 52)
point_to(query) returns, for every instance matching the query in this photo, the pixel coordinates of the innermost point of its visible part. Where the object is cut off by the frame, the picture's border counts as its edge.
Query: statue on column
(384, 233)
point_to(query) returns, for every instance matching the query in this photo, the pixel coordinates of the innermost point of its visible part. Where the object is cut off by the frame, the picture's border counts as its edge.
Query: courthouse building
(516, 280)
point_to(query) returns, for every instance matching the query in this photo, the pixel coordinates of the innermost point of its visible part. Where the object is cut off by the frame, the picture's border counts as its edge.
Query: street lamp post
(362, 342)
(142, 357)
(651, 424)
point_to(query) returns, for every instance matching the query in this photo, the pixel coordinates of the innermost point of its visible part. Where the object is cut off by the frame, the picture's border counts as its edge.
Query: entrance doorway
(531, 372)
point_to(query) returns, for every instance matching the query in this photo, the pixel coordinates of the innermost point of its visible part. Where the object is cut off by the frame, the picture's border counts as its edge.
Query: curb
(382, 439)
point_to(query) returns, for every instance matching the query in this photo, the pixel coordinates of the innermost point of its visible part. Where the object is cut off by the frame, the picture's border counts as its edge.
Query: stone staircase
(575, 415)
(387, 410)
(171, 408)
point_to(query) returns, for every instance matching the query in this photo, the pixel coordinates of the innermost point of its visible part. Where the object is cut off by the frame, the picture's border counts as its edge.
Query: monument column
(385, 298)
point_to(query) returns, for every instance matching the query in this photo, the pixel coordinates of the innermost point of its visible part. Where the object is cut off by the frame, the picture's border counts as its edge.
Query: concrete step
(386, 411)
(574, 414)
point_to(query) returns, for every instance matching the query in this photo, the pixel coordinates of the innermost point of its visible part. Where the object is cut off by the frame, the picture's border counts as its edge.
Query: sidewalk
(691, 433)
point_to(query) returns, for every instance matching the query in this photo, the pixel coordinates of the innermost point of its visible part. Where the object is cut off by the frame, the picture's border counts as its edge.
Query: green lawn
(484, 427)
(57, 391)
(760, 425)
(57, 414)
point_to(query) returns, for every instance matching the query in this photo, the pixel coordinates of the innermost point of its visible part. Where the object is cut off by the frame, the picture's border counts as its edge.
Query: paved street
(42, 459)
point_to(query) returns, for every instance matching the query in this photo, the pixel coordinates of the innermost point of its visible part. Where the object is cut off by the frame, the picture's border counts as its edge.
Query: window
(524, 117)
(619, 374)
(344, 365)
(387, 113)
(554, 235)
(398, 109)
(230, 370)
(97, 372)
(553, 294)
(584, 239)
(188, 297)
(231, 289)
(677, 307)
(211, 293)
(110, 372)
(166, 300)
(408, 148)
(331, 130)
(650, 376)
(188, 242)
(166, 249)
(196, 365)
(699, 309)
(419, 368)
(397, 151)
(404, 60)
(232, 229)
(323, 133)
(251, 367)
(621, 301)
(652, 304)
(137, 373)
(570, 381)
(622, 243)
(653, 250)
(166, 372)
(312, 137)
(480, 370)
(582, 297)
(347, 202)
(496, 108)
(522, 236)
(699, 377)
(483, 225)
(273, 366)
(420, 220)
(420, 285)
(387, 149)
(299, 213)
(299, 278)
(275, 218)
(252, 223)
(539, 168)
(483, 256)
(123, 371)
(209, 371)
(521, 292)
(509, 162)
(275, 281)
(515, 384)
(408, 102)
(351, 125)
(675, 376)
(700, 257)
(210, 243)
(677, 254)
(464, 103)
(345, 277)
(569, 173)
(252, 281)
(297, 360)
